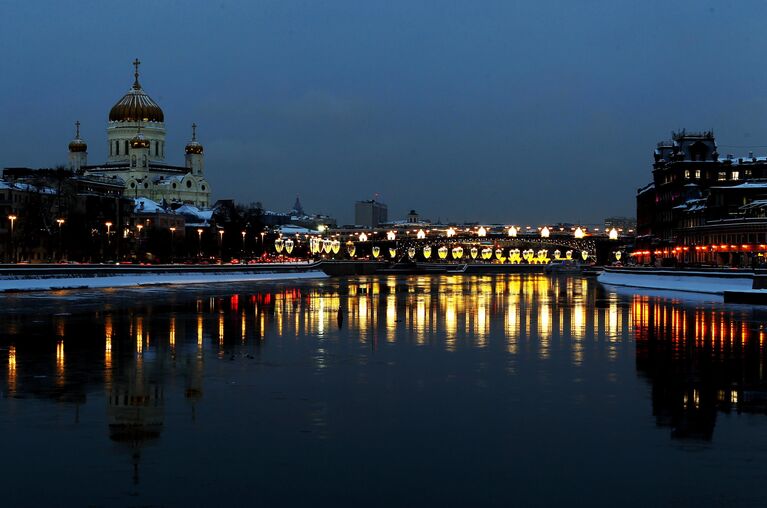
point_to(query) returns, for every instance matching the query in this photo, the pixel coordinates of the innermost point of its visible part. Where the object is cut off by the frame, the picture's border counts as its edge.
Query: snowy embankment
(695, 282)
(30, 283)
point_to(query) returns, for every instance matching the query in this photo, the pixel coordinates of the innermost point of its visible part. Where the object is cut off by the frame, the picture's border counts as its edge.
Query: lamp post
(138, 243)
(60, 222)
(12, 218)
(262, 242)
(172, 231)
(199, 241)
(221, 245)
(243, 244)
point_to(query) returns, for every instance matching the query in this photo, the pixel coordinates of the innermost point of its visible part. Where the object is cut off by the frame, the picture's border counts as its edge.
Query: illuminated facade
(136, 154)
(701, 207)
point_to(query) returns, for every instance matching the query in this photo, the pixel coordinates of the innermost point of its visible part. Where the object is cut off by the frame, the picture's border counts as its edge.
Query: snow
(193, 211)
(47, 284)
(146, 205)
(696, 282)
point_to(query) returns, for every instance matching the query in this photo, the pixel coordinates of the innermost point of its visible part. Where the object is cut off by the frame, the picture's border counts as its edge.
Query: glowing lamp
(585, 255)
(450, 233)
(613, 234)
(512, 231)
(279, 244)
(351, 249)
(569, 255)
(474, 251)
(487, 253)
(376, 251)
(545, 232)
(457, 252)
(327, 245)
(442, 252)
(391, 235)
(289, 245)
(363, 237)
(499, 253)
(427, 252)
(411, 252)
(421, 234)
(557, 254)
(482, 231)
(392, 252)
(618, 255)
(335, 246)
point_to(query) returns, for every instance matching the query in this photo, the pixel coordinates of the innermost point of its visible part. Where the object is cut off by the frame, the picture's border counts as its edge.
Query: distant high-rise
(370, 214)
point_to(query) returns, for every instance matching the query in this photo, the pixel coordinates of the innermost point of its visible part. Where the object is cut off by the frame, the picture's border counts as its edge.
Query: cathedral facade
(136, 154)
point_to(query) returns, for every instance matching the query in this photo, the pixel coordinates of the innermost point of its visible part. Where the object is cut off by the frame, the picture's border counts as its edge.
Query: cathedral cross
(77, 127)
(136, 63)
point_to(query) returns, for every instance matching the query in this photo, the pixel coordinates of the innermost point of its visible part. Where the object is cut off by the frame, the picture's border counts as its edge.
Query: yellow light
(335, 246)
(585, 255)
(279, 244)
(512, 231)
(482, 231)
(427, 252)
(288, 245)
(322, 228)
(474, 251)
(363, 237)
(392, 252)
(351, 249)
(618, 256)
(579, 233)
(545, 232)
(450, 232)
(421, 234)
(376, 251)
(442, 252)
(613, 234)
(411, 252)
(457, 252)
(391, 235)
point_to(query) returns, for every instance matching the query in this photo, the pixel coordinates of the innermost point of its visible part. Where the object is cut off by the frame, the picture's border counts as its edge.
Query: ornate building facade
(136, 154)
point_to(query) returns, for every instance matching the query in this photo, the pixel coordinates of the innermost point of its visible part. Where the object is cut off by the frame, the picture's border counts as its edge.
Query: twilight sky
(493, 111)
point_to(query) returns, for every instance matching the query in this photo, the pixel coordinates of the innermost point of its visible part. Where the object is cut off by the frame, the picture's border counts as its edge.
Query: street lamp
(199, 240)
(172, 230)
(60, 222)
(12, 218)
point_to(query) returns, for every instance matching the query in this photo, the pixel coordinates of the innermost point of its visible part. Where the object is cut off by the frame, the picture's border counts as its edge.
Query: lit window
(697, 174)
(686, 174)
(722, 176)
(736, 175)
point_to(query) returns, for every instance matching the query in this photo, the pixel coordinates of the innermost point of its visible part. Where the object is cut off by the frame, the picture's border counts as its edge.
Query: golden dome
(193, 147)
(136, 105)
(77, 144)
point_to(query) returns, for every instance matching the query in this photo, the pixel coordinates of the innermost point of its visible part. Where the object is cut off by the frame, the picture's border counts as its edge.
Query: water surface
(395, 391)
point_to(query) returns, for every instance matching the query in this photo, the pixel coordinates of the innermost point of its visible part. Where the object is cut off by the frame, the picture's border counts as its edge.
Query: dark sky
(494, 111)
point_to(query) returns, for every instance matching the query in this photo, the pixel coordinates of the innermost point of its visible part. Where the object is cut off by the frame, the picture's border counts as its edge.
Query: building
(370, 214)
(702, 208)
(623, 224)
(136, 154)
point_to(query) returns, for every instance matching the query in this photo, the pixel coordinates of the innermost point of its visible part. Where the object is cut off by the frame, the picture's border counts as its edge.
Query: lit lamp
(618, 255)
(335, 246)
(376, 251)
(351, 249)
(585, 255)
(421, 234)
(391, 235)
(482, 231)
(289, 245)
(427, 252)
(392, 252)
(450, 232)
(545, 232)
(442, 252)
(457, 252)
(411, 252)
(474, 251)
(109, 227)
(363, 237)
(279, 244)
(579, 233)
(499, 253)
(513, 231)
(613, 234)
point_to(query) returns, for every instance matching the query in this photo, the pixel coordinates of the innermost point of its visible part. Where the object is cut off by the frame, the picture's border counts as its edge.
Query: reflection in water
(698, 360)
(716, 364)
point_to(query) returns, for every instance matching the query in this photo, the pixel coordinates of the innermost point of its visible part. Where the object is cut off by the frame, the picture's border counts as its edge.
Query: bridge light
(450, 232)
(579, 233)
(420, 235)
(512, 231)
(482, 231)
(545, 232)
(613, 234)
(363, 237)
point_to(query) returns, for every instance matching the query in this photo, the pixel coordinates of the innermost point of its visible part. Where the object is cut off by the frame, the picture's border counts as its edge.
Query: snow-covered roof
(193, 211)
(146, 205)
(290, 229)
(744, 185)
(26, 187)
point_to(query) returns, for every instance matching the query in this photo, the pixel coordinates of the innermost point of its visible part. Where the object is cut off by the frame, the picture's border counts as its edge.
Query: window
(735, 175)
(126, 147)
(133, 161)
(188, 184)
(697, 174)
(722, 176)
(117, 147)
(686, 174)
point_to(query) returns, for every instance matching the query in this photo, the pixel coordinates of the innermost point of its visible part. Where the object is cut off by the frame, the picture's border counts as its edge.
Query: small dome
(139, 141)
(78, 145)
(193, 147)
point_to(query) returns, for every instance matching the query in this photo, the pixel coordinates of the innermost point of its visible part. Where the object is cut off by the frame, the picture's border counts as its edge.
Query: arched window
(126, 146)
(133, 161)
(117, 147)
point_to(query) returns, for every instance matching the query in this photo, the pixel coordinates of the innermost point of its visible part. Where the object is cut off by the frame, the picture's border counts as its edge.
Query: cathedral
(136, 148)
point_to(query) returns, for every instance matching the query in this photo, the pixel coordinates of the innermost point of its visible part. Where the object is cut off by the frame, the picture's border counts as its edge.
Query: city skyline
(463, 114)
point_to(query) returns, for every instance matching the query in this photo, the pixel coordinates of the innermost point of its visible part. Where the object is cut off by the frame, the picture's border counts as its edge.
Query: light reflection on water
(483, 380)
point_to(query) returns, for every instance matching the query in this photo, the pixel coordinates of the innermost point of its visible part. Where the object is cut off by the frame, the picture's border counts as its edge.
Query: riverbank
(716, 282)
(54, 277)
